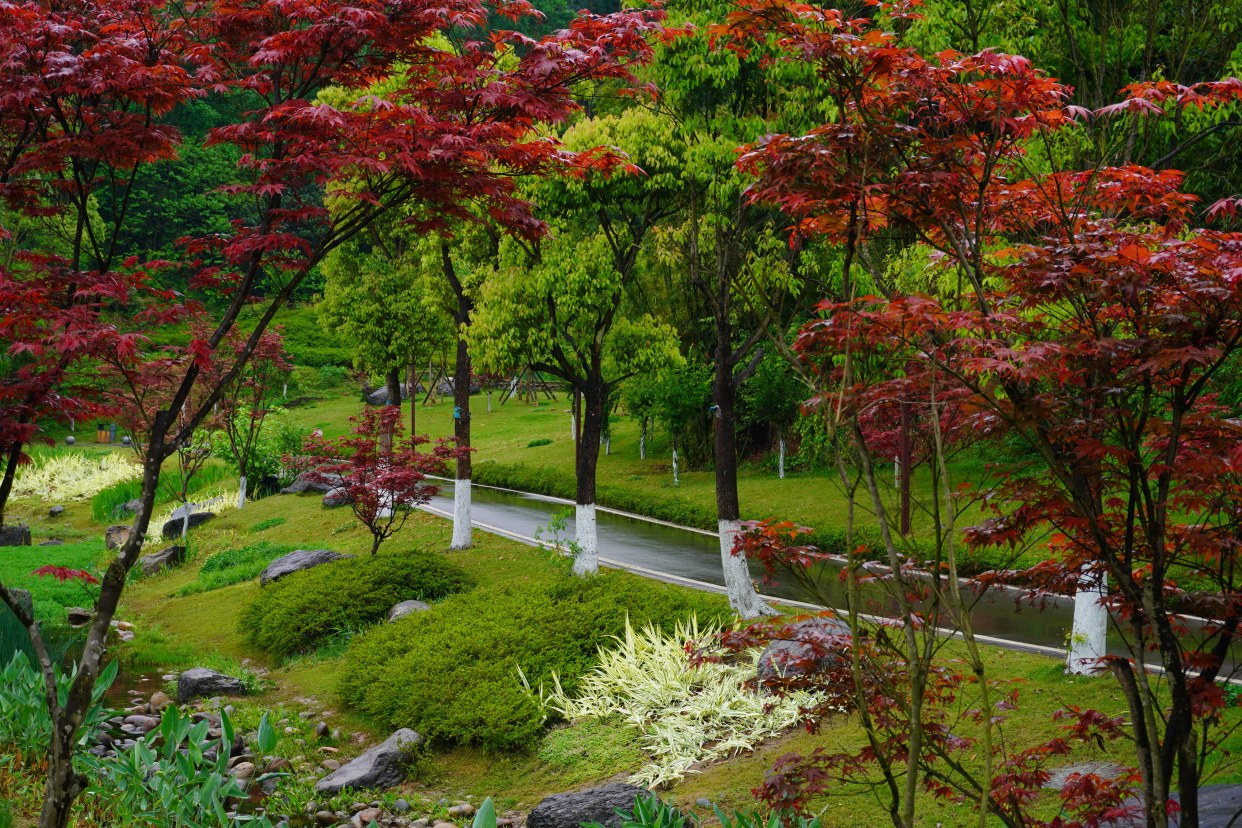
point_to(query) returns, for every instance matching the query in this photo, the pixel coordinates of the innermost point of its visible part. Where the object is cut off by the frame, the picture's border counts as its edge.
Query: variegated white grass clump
(72, 475)
(686, 713)
(222, 501)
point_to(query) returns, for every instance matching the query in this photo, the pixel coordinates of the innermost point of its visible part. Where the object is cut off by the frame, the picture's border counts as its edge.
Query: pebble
(358, 806)
(401, 806)
(420, 823)
(305, 715)
(321, 730)
(330, 764)
(703, 802)
(365, 817)
(169, 677)
(336, 734)
(463, 809)
(443, 825)
(325, 817)
(243, 770)
(159, 701)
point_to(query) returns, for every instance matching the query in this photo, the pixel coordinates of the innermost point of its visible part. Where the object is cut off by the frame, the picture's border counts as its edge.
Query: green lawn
(812, 498)
(51, 597)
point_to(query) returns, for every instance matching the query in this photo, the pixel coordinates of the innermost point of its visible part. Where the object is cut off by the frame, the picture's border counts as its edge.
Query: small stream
(689, 556)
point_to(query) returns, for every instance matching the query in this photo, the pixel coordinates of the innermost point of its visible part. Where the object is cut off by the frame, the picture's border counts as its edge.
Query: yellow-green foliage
(299, 612)
(454, 674)
(686, 713)
(72, 475)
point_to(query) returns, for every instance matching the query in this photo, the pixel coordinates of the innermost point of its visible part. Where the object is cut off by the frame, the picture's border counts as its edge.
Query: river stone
(56, 511)
(313, 481)
(200, 681)
(1104, 770)
(131, 506)
(15, 535)
(164, 559)
(172, 527)
(405, 608)
(569, 810)
(1219, 807)
(784, 656)
(339, 496)
(78, 616)
(115, 536)
(52, 542)
(296, 561)
(380, 767)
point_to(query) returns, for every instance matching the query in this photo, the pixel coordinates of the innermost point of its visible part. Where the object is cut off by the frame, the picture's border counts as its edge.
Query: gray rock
(200, 681)
(380, 767)
(570, 810)
(313, 481)
(198, 516)
(380, 395)
(339, 496)
(56, 511)
(1220, 806)
(115, 536)
(15, 535)
(164, 559)
(296, 561)
(131, 506)
(405, 608)
(52, 542)
(78, 616)
(1104, 770)
(810, 640)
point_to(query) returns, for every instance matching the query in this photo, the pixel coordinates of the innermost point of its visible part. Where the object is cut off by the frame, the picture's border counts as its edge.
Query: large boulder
(164, 559)
(313, 482)
(380, 395)
(815, 641)
(199, 681)
(296, 561)
(198, 516)
(340, 496)
(405, 608)
(570, 810)
(15, 535)
(380, 767)
(115, 536)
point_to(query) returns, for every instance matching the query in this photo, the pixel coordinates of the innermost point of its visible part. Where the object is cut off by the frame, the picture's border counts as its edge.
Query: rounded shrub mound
(452, 673)
(301, 611)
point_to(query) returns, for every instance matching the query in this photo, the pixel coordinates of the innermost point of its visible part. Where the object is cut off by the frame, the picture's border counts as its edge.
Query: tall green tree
(565, 307)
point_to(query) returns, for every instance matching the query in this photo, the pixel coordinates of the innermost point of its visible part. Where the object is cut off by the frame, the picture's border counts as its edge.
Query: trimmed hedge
(299, 612)
(452, 673)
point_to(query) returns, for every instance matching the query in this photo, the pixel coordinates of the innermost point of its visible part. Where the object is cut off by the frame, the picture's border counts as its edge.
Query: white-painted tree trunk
(1089, 636)
(241, 491)
(284, 390)
(676, 479)
(586, 535)
(489, 401)
(608, 446)
(573, 428)
(185, 521)
(743, 597)
(896, 472)
(461, 515)
(642, 441)
(780, 466)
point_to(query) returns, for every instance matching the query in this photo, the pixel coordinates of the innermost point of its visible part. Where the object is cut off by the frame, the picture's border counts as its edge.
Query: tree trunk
(780, 463)
(743, 597)
(392, 380)
(904, 462)
(587, 460)
(1089, 635)
(642, 440)
(461, 430)
(10, 473)
(676, 478)
(412, 380)
(241, 491)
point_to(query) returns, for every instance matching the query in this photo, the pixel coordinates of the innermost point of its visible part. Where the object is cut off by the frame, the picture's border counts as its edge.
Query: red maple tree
(1080, 314)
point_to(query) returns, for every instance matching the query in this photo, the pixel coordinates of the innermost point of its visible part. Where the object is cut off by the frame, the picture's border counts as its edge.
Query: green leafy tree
(563, 307)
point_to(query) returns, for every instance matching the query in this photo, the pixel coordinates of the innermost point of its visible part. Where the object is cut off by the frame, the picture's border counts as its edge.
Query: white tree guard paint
(1089, 635)
(642, 442)
(743, 597)
(241, 491)
(185, 520)
(461, 515)
(608, 446)
(284, 390)
(489, 402)
(676, 479)
(573, 427)
(586, 562)
(780, 468)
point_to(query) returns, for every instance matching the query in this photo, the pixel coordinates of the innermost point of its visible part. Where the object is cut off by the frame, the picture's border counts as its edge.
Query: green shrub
(301, 611)
(453, 675)
(264, 525)
(541, 441)
(233, 566)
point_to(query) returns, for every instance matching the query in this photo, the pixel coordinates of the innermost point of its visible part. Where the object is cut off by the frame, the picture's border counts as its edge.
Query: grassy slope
(207, 622)
(810, 497)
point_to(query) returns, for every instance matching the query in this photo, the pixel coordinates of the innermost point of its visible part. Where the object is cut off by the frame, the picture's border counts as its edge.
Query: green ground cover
(51, 597)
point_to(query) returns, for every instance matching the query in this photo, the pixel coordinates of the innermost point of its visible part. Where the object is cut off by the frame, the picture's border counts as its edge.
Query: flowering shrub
(687, 713)
(72, 475)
